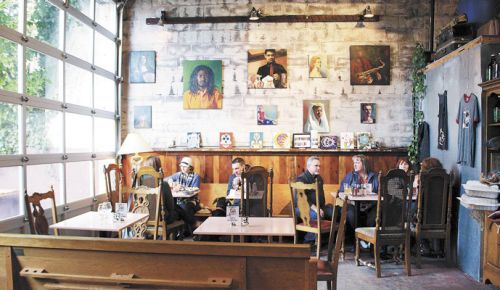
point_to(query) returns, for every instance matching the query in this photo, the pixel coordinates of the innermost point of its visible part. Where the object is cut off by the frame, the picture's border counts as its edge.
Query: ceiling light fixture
(367, 13)
(255, 14)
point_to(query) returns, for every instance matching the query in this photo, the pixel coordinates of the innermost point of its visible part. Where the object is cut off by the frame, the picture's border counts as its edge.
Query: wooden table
(258, 226)
(94, 221)
(184, 194)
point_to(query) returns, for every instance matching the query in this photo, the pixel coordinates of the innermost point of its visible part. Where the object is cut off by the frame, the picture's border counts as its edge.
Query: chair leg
(407, 256)
(377, 260)
(418, 245)
(329, 285)
(342, 252)
(356, 256)
(334, 283)
(318, 245)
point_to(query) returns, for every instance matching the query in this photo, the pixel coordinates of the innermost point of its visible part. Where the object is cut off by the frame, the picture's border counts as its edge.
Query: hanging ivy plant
(418, 64)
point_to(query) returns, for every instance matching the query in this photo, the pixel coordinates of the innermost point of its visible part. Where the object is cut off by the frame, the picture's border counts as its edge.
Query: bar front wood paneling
(214, 167)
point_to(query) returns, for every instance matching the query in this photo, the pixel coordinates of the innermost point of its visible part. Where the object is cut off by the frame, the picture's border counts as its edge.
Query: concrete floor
(433, 275)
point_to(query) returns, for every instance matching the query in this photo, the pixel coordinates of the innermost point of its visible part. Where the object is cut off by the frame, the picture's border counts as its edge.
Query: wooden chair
(148, 198)
(434, 210)
(327, 270)
(256, 181)
(299, 201)
(392, 218)
(114, 180)
(36, 217)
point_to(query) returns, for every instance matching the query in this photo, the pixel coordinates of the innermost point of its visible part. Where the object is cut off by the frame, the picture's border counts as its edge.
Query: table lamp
(134, 144)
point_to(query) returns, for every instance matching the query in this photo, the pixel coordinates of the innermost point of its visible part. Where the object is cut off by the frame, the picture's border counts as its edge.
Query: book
(193, 139)
(281, 140)
(364, 140)
(347, 140)
(328, 142)
(226, 140)
(256, 140)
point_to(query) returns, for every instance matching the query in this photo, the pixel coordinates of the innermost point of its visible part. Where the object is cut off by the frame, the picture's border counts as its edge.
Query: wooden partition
(214, 167)
(45, 262)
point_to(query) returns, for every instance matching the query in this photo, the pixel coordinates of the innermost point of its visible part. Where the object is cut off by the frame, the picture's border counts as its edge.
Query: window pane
(8, 64)
(100, 185)
(78, 133)
(78, 39)
(105, 14)
(78, 86)
(10, 203)
(42, 75)
(105, 55)
(41, 177)
(43, 22)
(43, 131)
(9, 134)
(78, 180)
(83, 6)
(104, 93)
(104, 135)
(8, 13)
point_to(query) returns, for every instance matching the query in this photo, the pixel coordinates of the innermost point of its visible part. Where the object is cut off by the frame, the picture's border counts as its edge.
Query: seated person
(181, 180)
(172, 213)
(404, 165)
(361, 175)
(235, 182)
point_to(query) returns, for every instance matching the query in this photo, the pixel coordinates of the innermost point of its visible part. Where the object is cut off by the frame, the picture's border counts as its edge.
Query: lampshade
(134, 143)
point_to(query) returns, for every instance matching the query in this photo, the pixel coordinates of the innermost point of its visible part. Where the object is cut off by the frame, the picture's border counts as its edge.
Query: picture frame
(364, 140)
(347, 140)
(301, 140)
(328, 142)
(202, 86)
(226, 140)
(370, 64)
(368, 113)
(281, 140)
(267, 114)
(142, 67)
(318, 66)
(260, 74)
(142, 117)
(316, 115)
(193, 139)
(256, 140)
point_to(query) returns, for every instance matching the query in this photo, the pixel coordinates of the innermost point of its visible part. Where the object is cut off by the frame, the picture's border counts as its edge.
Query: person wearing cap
(182, 179)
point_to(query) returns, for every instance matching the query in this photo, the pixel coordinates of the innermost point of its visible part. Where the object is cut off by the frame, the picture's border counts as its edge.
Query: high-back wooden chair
(36, 214)
(434, 210)
(392, 218)
(327, 270)
(255, 182)
(113, 177)
(299, 201)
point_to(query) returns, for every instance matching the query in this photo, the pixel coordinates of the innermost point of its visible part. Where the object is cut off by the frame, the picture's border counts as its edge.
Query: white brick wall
(402, 24)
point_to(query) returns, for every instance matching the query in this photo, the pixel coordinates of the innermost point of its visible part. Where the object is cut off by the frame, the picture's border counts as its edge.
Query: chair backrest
(113, 177)
(299, 201)
(255, 182)
(340, 208)
(36, 214)
(393, 202)
(434, 199)
(147, 198)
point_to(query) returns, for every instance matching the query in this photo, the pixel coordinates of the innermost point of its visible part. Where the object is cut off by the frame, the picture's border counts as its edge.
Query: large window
(58, 99)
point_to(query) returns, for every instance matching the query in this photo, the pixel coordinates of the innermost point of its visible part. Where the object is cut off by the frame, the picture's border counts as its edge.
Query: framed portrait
(318, 66)
(316, 114)
(267, 68)
(301, 140)
(202, 84)
(281, 140)
(142, 117)
(256, 140)
(368, 113)
(328, 142)
(226, 140)
(370, 64)
(267, 114)
(193, 139)
(142, 67)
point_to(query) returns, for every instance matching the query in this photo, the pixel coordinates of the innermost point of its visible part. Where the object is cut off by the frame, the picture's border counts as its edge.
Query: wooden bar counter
(214, 167)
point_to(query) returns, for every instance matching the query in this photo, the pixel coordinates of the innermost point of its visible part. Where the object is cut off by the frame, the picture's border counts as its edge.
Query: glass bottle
(496, 112)
(497, 66)
(489, 70)
(494, 69)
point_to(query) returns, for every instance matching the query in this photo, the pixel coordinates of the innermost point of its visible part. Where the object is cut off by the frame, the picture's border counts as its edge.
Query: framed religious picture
(226, 140)
(370, 64)
(267, 68)
(142, 117)
(142, 67)
(256, 140)
(328, 142)
(281, 140)
(202, 84)
(193, 139)
(301, 140)
(318, 66)
(368, 113)
(267, 114)
(315, 116)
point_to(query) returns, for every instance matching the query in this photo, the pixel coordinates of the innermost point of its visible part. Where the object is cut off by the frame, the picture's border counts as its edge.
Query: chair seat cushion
(324, 269)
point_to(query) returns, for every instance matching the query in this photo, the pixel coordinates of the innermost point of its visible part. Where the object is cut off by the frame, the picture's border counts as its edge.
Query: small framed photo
(256, 140)
(301, 140)
(368, 113)
(193, 139)
(267, 114)
(142, 67)
(142, 117)
(328, 142)
(281, 140)
(226, 140)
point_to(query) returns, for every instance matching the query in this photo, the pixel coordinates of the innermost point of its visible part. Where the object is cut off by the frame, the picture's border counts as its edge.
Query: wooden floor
(433, 275)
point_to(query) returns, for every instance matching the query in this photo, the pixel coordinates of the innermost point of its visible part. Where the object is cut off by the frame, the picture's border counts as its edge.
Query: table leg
(357, 212)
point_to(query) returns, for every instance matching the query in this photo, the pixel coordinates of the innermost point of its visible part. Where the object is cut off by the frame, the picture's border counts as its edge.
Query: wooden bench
(47, 262)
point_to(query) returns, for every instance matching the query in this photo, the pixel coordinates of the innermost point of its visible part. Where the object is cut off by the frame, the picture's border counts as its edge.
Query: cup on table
(347, 188)
(104, 208)
(368, 188)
